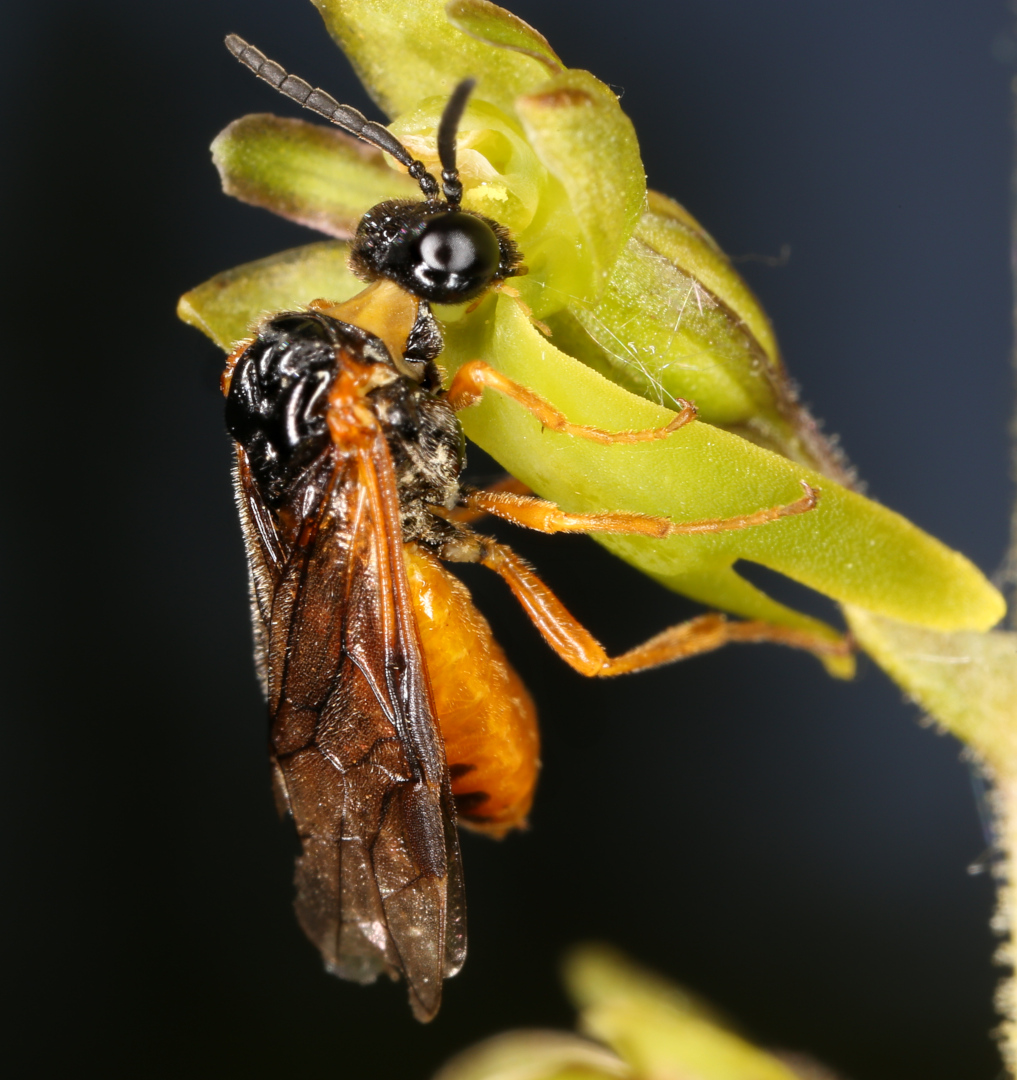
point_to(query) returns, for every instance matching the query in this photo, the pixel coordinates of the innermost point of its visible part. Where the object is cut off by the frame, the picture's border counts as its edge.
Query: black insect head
(434, 249)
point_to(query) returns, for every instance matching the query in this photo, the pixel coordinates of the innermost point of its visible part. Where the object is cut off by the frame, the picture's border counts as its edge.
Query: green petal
(849, 547)
(585, 141)
(657, 1028)
(534, 1055)
(966, 681)
(227, 307)
(314, 175)
(406, 50)
(488, 22)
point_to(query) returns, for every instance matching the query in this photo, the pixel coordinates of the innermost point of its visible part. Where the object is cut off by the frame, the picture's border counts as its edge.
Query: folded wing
(358, 756)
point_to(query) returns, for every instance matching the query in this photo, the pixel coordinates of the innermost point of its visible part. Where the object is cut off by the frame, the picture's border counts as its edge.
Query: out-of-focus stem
(1005, 806)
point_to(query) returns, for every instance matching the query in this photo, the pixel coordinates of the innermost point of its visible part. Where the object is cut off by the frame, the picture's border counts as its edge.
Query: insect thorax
(279, 396)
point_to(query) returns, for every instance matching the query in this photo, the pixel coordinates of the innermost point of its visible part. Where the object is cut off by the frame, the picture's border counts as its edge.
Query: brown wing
(358, 756)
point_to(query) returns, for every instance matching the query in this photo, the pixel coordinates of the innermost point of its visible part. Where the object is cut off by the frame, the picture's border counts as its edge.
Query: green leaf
(849, 547)
(406, 50)
(966, 681)
(314, 175)
(580, 134)
(227, 307)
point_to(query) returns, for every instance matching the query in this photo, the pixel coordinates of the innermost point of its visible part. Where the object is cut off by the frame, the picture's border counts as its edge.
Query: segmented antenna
(447, 130)
(344, 116)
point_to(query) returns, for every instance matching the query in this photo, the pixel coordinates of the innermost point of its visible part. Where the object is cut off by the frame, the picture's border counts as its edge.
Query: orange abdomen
(486, 716)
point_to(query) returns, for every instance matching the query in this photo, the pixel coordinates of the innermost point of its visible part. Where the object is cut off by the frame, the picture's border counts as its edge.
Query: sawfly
(394, 714)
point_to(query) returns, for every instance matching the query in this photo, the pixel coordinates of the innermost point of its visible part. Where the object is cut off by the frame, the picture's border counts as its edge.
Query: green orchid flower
(643, 309)
(642, 306)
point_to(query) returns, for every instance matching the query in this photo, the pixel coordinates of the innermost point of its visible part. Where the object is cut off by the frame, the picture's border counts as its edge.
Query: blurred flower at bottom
(637, 1025)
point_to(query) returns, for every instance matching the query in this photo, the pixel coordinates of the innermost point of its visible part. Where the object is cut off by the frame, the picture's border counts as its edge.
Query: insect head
(435, 249)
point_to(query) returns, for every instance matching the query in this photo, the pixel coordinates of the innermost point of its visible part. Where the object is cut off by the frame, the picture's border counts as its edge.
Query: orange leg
(581, 650)
(470, 381)
(569, 638)
(466, 515)
(546, 517)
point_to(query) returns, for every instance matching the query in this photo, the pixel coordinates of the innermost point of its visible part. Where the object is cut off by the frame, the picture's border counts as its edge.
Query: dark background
(793, 848)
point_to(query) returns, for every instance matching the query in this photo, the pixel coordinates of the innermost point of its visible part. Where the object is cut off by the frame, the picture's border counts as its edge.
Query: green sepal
(492, 24)
(313, 175)
(405, 51)
(665, 337)
(228, 306)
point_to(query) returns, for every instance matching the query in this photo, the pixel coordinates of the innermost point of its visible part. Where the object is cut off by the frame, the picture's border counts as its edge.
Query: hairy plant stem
(1004, 799)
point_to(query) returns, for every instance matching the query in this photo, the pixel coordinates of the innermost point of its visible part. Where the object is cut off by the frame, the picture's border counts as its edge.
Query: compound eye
(458, 244)
(459, 255)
